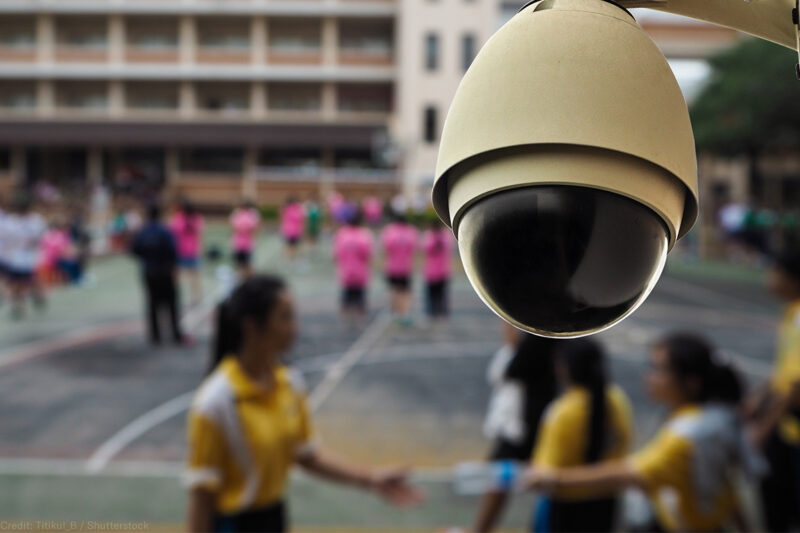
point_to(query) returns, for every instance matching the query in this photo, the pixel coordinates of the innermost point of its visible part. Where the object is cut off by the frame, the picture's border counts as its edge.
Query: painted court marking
(120, 440)
(338, 370)
(138, 427)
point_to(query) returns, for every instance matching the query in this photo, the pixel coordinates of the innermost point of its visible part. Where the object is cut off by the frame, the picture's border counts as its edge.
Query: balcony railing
(334, 175)
(81, 53)
(151, 54)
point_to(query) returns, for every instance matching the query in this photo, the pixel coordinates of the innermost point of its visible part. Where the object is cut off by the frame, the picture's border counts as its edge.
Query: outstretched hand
(539, 479)
(393, 485)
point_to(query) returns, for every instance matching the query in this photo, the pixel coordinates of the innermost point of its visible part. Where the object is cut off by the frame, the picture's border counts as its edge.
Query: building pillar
(116, 39)
(249, 168)
(258, 100)
(329, 104)
(258, 40)
(186, 99)
(45, 97)
(171, 167)
(187, 39)
(116, 98)
(327, 173)
(19, 165)
(94, 166)
(330, 41)
(45, 38)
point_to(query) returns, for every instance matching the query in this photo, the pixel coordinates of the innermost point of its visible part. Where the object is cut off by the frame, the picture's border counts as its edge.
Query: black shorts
(19, 276)
(242, 258)
(437, 298)
(505, 450)
(399, 283)
(271, 518)
(354, 298)
(292, 241)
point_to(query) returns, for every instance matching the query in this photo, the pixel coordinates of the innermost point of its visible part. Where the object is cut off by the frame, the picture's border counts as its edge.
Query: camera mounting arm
(772, 20)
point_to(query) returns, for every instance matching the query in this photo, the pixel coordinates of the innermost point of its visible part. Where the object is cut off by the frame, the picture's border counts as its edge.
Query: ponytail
(727, 386)
(253, 299)
(585, 363)
(692, 360)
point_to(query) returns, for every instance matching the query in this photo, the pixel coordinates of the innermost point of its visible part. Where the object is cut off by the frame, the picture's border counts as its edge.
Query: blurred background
(106, 105)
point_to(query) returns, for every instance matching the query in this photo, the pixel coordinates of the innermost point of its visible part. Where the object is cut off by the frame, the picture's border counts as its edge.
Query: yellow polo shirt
(685, 497)
(563, 436)
(787, 368)
(242, 439)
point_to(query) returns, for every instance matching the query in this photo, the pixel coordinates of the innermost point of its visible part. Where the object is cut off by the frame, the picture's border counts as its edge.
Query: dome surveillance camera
(567, 168)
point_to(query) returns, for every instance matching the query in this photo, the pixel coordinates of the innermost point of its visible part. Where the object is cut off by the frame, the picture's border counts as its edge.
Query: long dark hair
(533, 366)
(584, 360)
(254, 299)
(692, 358)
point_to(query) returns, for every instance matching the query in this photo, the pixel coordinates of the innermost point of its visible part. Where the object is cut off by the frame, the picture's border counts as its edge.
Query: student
(522, 374)
(775, 411)
(250, 423)
(687, 469)
(55, 248)
(438, 244)
(5, 250)
(313, 221)
(590, 423)
(373, 211)
(155, 247)
(292, 219)
(244, 221)
(352, 251)
(24, 231)
(399, 240)
(187, 226)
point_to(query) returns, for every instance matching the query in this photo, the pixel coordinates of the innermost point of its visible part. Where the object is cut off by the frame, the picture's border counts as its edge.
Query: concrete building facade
(221, 100)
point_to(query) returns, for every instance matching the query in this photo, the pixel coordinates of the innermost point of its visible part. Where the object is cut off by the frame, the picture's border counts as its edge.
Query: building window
(432, 51)
(430, 124)
(467, 50)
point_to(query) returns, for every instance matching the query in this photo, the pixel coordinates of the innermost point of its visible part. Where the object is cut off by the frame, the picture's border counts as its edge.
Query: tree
(751, 103)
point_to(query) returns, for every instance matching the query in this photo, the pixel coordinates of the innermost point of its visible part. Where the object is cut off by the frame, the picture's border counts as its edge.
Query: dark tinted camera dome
(561, 260)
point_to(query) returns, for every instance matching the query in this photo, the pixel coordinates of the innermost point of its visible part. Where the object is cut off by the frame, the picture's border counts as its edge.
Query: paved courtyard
(92, 418)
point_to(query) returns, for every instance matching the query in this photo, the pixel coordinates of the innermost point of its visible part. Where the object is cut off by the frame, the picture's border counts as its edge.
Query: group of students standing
(353, 247)
(577, 437)
(36, 252)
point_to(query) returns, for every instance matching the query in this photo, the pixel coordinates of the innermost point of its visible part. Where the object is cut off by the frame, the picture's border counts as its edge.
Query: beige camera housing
(612, 117)
(575, 93)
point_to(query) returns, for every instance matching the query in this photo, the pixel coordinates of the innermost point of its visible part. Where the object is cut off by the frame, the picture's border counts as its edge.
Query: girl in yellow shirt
(687, 468)
(250, 422)
(590, 423)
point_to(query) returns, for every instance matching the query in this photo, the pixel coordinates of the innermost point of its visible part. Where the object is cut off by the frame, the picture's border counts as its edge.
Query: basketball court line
(338, 370)
(191, 320)
(704, 296)
(143, 469)
(135, 429)
(142, 424)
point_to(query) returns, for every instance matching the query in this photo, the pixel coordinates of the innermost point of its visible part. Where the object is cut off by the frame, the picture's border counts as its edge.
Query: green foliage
(269, 212)
(751, 102)
(423, 219)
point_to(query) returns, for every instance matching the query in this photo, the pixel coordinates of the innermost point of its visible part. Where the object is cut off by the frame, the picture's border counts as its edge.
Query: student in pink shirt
(438, 244)
(399, 240)
(373, 210)
(244, 221)
(292, 221)
(352, 251)
(187, 227)
(54, 247)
